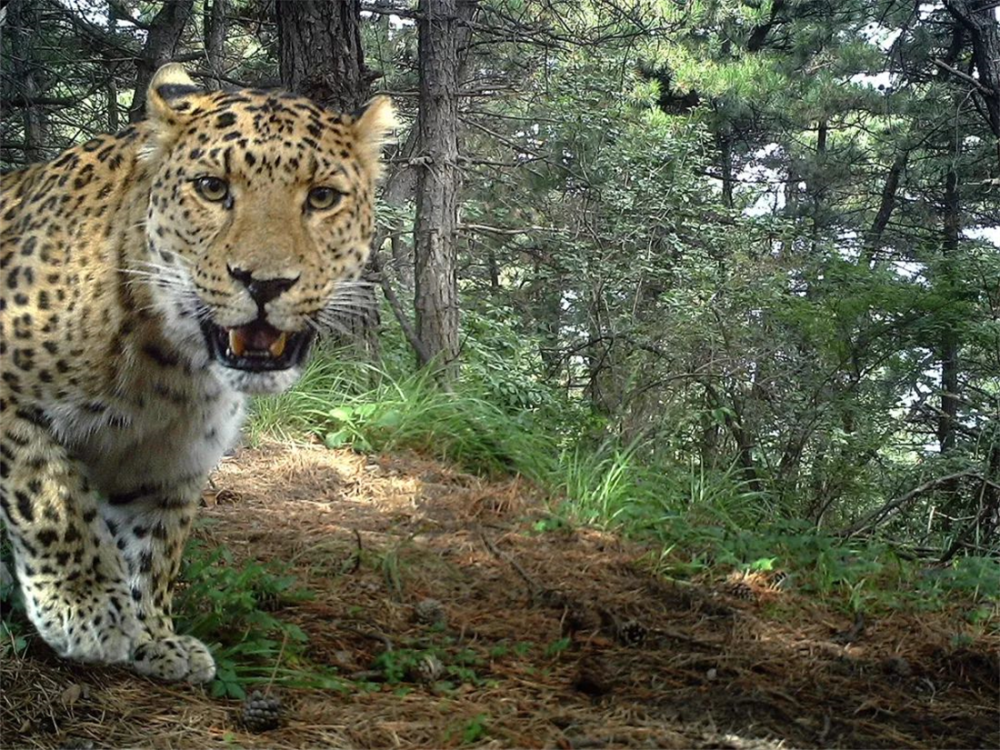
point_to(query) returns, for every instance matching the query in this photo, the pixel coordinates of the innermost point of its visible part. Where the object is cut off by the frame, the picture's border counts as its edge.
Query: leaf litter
(548, 635)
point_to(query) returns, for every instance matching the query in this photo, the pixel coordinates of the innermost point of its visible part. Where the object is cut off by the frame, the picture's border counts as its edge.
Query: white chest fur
(162, 428)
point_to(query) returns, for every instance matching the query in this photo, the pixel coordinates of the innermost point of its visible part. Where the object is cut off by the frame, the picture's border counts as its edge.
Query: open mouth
(257, 346)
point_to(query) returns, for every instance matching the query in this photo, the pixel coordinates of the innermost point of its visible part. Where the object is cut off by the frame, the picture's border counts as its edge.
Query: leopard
(152, 282)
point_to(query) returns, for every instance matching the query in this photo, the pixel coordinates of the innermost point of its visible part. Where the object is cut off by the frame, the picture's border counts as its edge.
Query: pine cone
(741, 590)
(631, 633)
(429, 612)
(261, 713)
(428, 669)
(779, 580)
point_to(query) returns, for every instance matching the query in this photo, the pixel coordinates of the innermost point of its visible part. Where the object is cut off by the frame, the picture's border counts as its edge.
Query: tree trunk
(321, 57)
(979, 19)
(442, 27)
(216, 22)
(887, 205)
(320, 52)
(724, 143)
(951, 226)
(22, 23)
(162, 40)
(111, 87)
(817, 184)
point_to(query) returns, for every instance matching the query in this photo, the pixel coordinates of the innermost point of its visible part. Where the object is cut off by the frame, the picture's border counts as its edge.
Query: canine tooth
(278, 347)
(236, 344)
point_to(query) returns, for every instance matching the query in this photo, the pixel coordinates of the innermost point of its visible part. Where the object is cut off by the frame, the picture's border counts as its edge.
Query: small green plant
(396, 664)
(550, 524)
(232, 608)
(557, 647)
(469, 731)
(475, 729)
(403, 665)
(14, 638)
(15, 631)
(601, 485)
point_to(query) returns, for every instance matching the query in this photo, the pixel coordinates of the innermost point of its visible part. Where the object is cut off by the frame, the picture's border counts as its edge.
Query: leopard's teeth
(278, 347)
(236, 343)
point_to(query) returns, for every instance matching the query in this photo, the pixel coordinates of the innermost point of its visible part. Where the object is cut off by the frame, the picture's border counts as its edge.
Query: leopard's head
(260, 216)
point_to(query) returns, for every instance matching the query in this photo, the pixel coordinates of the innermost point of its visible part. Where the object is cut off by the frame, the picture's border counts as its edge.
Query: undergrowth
(235, 610)
(705, 522)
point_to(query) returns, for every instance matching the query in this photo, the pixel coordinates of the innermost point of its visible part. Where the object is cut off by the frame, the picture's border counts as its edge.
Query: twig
(357, 555)
(876, 517)
(853, 633)
(375, 636)
(368, 675)
(532, 584)
(964, 76)
(503, 230)
(423, 354)
(277, 663)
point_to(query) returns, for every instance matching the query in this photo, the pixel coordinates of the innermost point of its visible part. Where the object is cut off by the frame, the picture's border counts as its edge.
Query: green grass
(352, 404)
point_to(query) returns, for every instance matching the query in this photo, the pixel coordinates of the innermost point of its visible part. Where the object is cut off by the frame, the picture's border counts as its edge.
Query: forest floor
(560, 637)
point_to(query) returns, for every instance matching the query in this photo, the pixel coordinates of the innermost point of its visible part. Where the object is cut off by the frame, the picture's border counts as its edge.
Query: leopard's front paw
(94, 630)
(176, 657)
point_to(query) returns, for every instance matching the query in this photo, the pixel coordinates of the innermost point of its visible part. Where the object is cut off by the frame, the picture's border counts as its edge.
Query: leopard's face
(260, 218)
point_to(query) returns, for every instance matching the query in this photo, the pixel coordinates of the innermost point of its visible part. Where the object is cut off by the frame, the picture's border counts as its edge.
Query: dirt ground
(574, 643)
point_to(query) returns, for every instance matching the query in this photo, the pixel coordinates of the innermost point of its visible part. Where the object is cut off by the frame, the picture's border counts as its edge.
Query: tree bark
(979, 19)
(162, 40)
(216, 22)
(28, 74)
(951, 227)
(321, 57)
(442, 29)
(320, 52)
(887, 205)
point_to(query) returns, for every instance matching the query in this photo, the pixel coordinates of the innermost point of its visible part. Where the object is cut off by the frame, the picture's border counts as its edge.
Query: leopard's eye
(213, 189)
(321, 198)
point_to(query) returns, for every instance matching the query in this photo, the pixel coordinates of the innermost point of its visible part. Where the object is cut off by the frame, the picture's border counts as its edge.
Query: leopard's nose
(262, 290)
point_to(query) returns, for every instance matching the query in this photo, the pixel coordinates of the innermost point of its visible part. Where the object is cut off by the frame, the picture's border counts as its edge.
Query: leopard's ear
(373, 125)
(171, 93)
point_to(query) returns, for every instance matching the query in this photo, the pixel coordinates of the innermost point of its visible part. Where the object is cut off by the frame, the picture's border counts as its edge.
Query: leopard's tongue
(257, 339)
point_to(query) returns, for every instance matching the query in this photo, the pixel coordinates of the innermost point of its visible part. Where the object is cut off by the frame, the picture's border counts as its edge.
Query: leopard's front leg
(70, 572)
(96, 575)
(151, 525)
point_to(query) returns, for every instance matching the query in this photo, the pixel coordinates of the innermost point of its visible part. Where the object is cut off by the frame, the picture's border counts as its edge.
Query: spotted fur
(113, 266)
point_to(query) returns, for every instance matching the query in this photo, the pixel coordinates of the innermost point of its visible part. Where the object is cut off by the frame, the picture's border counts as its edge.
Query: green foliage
(597, 484)
(475, 729)
(558, 646)
(232, 608)
(503, 367)
(458, 665)
(860, 574)
(15, 632)
(469, 731)
(345, 403)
